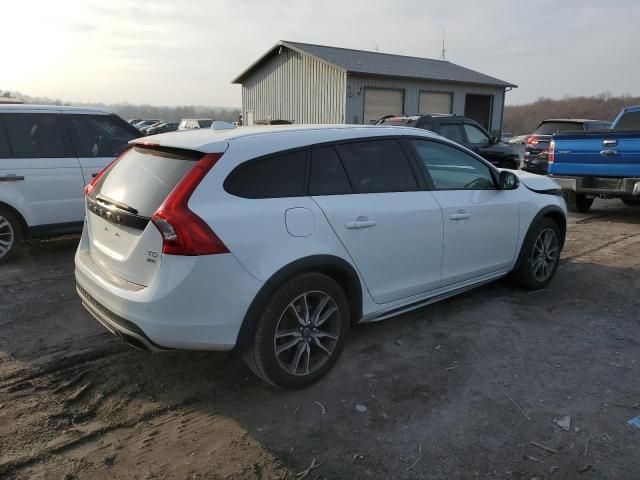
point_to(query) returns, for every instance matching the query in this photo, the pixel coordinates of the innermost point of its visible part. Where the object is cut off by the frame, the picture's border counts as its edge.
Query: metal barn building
(305, 83)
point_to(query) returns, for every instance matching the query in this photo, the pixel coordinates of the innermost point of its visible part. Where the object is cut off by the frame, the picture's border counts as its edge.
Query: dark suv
(464, 131)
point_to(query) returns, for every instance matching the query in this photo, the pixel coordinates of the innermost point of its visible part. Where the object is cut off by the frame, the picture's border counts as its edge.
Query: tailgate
(598, 154)
(122, 239)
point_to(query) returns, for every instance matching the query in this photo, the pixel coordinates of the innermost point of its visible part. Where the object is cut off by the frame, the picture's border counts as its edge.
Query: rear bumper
(193, 303)
(615, 187)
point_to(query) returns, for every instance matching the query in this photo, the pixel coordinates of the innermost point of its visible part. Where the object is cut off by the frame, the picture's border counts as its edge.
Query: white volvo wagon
(276, 240)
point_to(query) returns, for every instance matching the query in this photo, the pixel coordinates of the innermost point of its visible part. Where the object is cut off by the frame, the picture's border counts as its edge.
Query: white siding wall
(291, 86)
(357, 83)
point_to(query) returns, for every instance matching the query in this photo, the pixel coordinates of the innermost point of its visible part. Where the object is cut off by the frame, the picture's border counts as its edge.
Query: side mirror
(508, 181)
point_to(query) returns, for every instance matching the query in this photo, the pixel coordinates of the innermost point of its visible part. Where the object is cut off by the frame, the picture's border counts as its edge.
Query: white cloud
(165, 52)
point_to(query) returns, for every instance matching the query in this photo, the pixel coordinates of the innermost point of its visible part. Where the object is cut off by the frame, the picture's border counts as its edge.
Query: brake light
(552, 152)
(89, 188)
(532, 140)
(183, 232)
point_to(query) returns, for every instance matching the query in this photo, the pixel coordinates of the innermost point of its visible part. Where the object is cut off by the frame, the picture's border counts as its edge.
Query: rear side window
(280, 175)
(629, 121)
(5, 150)
(34, 135)
(143, 178)
(452, 131)
(99, 135)
(204, 123)
(327, 173)
(377, 166)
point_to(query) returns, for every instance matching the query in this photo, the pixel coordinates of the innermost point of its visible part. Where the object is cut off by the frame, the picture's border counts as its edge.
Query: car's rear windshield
(629, 121)
(549, 128)
(143, 177)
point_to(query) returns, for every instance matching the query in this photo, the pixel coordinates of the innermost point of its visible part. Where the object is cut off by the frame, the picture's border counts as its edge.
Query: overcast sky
(172, 53)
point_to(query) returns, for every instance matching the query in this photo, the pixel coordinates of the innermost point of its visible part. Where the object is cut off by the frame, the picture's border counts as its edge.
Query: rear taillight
(89, 188)
(532, 140)
(551, 153)
(183, 232)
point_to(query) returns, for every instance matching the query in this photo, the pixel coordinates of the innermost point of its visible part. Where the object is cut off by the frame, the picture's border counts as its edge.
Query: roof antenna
(444, 50)
(377, 48)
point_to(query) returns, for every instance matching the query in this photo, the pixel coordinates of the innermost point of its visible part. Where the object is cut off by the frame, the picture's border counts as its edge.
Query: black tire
(577, 202)
(632, 202)
(10, 235)
(525, 273)
(260, 355)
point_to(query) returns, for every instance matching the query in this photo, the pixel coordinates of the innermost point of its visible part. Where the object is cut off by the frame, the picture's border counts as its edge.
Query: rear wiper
(122, 206)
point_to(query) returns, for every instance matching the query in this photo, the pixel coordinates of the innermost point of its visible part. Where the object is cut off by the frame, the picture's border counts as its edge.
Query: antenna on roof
(444, 50)
(377, 48)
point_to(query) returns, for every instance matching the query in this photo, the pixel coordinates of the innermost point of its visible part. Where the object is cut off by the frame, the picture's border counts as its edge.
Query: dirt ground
(461, 389)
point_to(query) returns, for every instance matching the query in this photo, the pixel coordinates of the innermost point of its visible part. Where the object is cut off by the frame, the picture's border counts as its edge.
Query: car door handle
(11, 178)
(460, 215)
(360, 222)
(609, 153)
(609, 143)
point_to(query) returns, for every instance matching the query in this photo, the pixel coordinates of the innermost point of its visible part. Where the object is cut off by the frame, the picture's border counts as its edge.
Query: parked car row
(154, 127)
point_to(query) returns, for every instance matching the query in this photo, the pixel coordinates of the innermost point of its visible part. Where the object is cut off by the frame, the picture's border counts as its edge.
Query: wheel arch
(552, 212)
(19, 216)
(334, 267)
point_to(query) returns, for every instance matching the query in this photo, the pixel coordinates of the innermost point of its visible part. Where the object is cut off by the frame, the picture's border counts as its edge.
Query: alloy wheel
(545, 254)
(307, 333)
(7, 236)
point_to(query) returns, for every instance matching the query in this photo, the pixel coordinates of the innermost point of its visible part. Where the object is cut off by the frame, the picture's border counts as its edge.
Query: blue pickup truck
(599, 163)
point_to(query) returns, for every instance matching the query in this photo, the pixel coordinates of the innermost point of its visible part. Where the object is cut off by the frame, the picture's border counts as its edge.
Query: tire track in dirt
(602, 246)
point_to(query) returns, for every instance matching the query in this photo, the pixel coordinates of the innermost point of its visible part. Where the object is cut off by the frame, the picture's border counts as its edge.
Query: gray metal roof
(384, 64)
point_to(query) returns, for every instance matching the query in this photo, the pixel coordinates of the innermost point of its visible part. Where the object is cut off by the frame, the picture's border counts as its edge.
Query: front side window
(629, 121)
(475, 135)
(452, 169)
(272, 177)
(34, 135)
(327, 173)
(452, 131)
(99, 135)
(377, 166)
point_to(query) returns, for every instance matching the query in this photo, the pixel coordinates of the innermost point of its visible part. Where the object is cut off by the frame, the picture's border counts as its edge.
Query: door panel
(49, 188)
(480, 232)
(395, 239)
(481, 223)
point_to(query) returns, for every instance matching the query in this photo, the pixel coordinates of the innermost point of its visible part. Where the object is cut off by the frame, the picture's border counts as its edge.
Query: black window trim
(318, 146)
(420, 172)
(495, 174)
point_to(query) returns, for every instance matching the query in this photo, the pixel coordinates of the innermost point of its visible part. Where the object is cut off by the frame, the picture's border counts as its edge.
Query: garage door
(379, 102)
(435, 102)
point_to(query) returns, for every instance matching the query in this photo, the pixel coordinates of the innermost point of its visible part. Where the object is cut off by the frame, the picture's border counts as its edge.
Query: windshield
(549, 128)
